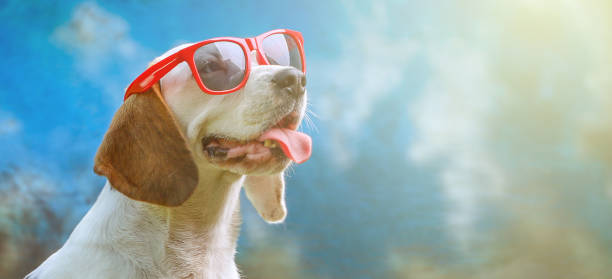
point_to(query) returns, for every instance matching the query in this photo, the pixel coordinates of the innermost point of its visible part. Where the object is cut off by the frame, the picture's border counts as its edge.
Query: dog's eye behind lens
(221, 65)
(209, 67)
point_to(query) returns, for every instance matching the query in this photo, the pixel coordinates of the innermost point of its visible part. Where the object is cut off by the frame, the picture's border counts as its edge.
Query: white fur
(123, 238)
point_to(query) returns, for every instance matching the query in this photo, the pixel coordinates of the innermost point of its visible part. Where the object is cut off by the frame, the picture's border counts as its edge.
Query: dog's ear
(267, 194)
(144, 154)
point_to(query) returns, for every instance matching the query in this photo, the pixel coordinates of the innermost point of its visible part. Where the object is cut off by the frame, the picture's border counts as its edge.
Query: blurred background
(452, 139)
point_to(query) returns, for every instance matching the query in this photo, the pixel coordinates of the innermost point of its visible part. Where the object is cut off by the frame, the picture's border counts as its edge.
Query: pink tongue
(297, 146)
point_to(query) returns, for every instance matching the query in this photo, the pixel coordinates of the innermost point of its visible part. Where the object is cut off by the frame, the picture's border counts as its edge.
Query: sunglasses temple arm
(152, 75)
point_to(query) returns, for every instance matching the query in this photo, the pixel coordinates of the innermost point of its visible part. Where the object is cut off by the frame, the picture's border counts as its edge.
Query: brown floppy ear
(267, 195)
(144, 155)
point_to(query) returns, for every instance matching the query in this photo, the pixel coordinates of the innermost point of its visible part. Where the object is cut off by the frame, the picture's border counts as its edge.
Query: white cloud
(98, 39)
(520, 114)
(96, 35)
(371, 66)
(9, 125)
(450, 120)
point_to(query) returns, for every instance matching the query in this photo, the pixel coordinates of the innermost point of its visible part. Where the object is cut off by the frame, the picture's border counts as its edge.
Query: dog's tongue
(297, 146)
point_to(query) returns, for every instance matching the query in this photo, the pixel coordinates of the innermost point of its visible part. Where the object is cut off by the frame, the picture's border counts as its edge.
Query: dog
(170, 206)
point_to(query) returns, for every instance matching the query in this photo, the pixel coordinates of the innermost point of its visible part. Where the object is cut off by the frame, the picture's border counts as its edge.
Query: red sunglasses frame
(156, 71)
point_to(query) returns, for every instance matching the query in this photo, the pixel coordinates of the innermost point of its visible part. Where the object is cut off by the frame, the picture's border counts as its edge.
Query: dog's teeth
(268, 143)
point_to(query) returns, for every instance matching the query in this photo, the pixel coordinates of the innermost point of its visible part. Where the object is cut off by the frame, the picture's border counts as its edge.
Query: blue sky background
(452, 139)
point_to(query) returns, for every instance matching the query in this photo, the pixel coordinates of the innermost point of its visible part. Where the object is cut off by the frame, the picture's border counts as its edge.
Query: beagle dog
(175, 160)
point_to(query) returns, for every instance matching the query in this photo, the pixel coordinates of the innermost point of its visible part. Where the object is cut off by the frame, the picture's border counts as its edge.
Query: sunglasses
(222, 65)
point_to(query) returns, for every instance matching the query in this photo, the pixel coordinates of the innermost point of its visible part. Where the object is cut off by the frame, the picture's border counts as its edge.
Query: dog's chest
(162, 245)
(196, 250)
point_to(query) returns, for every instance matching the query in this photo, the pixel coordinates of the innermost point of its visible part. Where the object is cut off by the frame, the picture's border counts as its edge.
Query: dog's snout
(290, 80)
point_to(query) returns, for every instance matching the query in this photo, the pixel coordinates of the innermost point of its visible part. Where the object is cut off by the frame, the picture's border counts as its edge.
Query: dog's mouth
(279, 141)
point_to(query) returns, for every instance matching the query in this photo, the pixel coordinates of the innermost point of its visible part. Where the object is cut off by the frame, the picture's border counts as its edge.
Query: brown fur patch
(144, 155)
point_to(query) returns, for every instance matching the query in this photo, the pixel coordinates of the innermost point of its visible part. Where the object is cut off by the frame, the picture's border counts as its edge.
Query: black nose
(290, 80)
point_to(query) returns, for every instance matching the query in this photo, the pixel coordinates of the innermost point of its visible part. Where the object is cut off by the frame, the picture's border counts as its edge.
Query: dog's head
(161, 142)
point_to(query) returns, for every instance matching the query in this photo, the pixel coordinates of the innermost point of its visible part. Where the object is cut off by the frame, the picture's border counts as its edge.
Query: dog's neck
(203, 231)
(186, 241)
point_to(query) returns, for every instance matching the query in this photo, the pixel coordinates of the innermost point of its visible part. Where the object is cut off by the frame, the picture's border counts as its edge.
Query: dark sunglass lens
(221, 65)
(282, 49)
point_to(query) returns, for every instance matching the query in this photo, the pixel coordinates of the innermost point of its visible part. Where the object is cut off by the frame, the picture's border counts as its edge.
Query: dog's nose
(290, 80)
